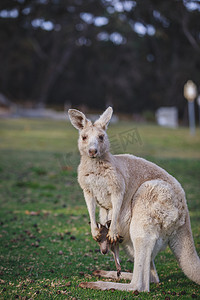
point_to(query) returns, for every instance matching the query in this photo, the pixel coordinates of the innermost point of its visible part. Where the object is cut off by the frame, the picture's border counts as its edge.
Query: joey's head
(102, 240)
(93, 140)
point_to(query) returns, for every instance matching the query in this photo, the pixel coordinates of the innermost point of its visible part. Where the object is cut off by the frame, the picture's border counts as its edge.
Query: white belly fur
(99, 188)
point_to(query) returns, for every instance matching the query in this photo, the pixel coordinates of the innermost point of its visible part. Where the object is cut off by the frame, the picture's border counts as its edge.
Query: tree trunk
(58, 58)
(51, 75)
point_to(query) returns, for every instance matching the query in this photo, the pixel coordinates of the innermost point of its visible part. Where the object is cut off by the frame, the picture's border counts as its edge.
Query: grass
(46, 248)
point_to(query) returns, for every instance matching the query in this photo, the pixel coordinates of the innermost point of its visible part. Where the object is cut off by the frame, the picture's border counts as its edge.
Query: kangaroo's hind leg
(153, 276)
(143, 247)
(144, 236)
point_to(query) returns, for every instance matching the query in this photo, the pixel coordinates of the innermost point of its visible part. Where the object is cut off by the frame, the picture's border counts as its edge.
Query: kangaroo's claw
(97, 238)
(96, 234)
(114, 239)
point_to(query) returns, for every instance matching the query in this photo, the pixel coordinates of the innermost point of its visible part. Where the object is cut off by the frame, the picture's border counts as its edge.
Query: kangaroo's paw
(114, 237)
(96, 234)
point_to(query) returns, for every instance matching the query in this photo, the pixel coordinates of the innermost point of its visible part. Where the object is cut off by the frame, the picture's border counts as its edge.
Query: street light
(190, 93)
(198, 102)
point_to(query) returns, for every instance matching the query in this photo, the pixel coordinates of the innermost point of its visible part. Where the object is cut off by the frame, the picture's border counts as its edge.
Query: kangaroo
(104, 245)
(146, 205)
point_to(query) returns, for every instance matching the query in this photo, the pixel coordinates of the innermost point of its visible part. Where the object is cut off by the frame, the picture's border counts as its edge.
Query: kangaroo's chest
(100, 188)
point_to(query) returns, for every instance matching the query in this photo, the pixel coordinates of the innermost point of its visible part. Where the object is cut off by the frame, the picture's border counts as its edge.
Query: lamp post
(198, 102)
(190, 93)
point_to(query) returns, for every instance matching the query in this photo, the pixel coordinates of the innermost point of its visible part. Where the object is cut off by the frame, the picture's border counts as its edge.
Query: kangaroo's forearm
(113, 233)
(116, 207)
(91, 206)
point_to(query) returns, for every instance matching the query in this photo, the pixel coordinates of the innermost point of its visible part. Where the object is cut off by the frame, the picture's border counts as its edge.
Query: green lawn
(46, 248)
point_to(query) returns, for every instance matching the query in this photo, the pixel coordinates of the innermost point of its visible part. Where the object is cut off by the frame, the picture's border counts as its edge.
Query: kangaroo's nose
(92, 151)
(104, 251)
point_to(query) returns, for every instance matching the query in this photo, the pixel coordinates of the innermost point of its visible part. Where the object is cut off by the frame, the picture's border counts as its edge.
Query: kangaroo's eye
(84, 137)
(101, 137)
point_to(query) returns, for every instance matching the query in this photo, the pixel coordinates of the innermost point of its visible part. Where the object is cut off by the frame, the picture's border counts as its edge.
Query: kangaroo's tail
(182, 245)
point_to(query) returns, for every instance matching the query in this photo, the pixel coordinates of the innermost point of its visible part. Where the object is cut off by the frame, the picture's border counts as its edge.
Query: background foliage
(136, 55)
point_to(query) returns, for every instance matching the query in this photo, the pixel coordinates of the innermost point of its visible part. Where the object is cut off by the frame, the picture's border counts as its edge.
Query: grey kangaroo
(146, 205)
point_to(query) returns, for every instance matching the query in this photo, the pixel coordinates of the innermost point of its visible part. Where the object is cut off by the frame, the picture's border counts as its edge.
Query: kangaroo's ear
(77, 118)
(104, 119)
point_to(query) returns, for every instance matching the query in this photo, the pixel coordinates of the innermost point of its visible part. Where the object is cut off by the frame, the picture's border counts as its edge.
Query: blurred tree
(135, 55)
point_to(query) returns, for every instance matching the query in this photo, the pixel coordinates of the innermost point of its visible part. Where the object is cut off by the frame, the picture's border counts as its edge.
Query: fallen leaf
(136, 293)
(32, 213)
(2, 281)
(68, 283)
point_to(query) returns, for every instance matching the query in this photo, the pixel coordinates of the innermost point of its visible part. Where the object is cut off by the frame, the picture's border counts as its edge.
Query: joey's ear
(77, 118)
(99, 225)
(104, 119)
(108, 224)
